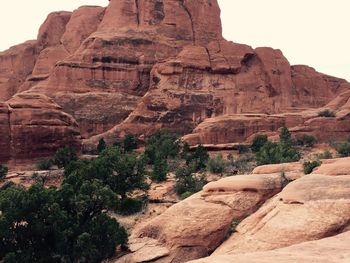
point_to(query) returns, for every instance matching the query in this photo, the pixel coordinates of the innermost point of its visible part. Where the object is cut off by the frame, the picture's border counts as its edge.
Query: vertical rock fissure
(190, 17)
(137, 12)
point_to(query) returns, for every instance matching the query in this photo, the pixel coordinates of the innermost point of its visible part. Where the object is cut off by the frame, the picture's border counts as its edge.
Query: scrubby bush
(273, 153)
(64, 156)
(306, 140)
(309, 166)
(122, 172)
(343, 149)
(242, 148)
(285, 136)
(325, 155)
(162, 144)
(130, 143)
(101, 145)
(187, 182)
(130, 206)
(3, 172)
(198, 158)
(217, 165)
(258, 142)
(160, 170)
(283, 152)
(45, 164)
(327, 113)
(245, 163)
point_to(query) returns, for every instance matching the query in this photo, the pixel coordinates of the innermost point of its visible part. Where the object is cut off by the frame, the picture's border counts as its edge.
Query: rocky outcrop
(310, 208)
(327, 250)
(16, 64)
(32, 125)
(194, 227)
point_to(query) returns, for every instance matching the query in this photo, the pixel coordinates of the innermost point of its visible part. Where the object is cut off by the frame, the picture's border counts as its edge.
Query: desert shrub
(130, 206)
(245, 163)
(122, 172)
(101, 145)
(3, 172)
(185, 195)
(242, 148)
(325, 155)
(306, 140)
(327, 113)
(217, 165)
(283, 152)
(162, 144)
(285, 136)
(343, 149)
(130, 143)
(198, 158)
(45, 164)
(64, 156)
(160, 170)
(68, 224)
(234, 225)
(258, 142)
(309, 166)
(187, 182)
(273, 153)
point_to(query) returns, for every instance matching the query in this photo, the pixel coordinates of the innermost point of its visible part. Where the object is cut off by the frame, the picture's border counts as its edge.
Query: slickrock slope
(328, 250)
(303, 221)
(137, 66)
(194, 227)
(310, 208)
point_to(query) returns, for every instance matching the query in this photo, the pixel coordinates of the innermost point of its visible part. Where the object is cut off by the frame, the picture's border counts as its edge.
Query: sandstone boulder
(194, 227)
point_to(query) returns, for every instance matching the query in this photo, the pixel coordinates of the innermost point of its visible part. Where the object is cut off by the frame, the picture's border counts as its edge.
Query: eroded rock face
(137, 66)
(194, 227)
(16, 64)
(310, 208)
(32, 125)
(226, 92)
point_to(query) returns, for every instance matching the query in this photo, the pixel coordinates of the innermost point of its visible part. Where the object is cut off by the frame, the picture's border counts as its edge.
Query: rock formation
(194, 227)
(291, 216)
(327, 250)
(137, 66)
(32, 125)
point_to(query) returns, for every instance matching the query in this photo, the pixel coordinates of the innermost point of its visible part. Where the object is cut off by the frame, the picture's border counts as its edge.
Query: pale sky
(312, 32)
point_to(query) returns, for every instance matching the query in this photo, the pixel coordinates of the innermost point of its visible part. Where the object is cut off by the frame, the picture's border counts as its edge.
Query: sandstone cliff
(137, 66)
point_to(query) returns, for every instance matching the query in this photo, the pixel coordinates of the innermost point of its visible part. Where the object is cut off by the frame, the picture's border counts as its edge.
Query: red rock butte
(137, 66)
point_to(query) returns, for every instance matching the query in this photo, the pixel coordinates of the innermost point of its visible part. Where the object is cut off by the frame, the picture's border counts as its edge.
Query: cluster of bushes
(306, 140)
(62, 158)
(243, 164)
(72, 223)
(65, 224)
(343, 149)
(272, 153)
